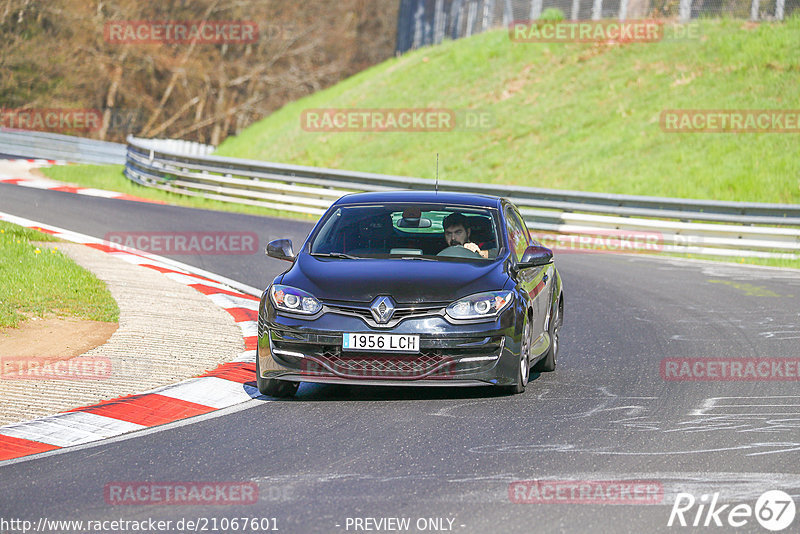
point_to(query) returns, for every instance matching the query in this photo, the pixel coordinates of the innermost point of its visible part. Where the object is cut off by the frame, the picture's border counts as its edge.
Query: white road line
(229, 301)
(208, 391)
(249, 328)
(248, 356)
(66, 429)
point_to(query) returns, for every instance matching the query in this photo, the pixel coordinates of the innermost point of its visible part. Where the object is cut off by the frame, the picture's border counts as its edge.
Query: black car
(411, 288)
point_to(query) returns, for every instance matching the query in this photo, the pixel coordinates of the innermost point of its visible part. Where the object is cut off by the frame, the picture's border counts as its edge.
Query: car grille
(400, 313)
(391, 366)
(324, 359)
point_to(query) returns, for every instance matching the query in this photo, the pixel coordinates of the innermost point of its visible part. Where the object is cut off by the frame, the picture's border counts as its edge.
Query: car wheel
(524, 368)
(273, 387)
(548, 363)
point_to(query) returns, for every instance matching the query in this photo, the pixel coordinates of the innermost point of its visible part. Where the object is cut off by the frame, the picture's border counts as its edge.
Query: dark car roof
(422, 197)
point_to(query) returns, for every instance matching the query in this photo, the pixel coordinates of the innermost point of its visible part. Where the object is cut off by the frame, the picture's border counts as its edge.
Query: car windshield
(424, 232)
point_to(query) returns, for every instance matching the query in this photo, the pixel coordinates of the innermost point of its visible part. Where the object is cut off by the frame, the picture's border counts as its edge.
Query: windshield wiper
(334, 255)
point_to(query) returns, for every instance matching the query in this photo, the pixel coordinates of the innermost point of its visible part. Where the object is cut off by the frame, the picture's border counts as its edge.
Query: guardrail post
(471, 14)
(754, 10)
(536, 10)
(685, 10)
(456, 10)
(597, 9)
(508, 13)
(779, 4)
(418, 25)
(438, 22)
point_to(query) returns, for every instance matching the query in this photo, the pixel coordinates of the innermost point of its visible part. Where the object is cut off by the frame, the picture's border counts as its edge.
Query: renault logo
(382, 309)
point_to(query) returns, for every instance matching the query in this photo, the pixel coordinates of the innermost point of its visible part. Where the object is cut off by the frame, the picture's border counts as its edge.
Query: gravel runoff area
(167, 332)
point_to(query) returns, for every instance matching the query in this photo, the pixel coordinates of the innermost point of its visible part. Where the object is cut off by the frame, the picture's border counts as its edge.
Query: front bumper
(302, 350)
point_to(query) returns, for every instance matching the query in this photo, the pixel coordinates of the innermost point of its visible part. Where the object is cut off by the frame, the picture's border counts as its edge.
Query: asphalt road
(337, 452)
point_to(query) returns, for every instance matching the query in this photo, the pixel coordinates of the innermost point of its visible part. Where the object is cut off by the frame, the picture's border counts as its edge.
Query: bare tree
(55, 55)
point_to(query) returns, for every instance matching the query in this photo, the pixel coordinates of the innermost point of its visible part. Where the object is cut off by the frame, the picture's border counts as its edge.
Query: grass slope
(39, 281)
(569, 116)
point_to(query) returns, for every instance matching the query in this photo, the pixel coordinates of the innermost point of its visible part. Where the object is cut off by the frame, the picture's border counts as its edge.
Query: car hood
(407, 281)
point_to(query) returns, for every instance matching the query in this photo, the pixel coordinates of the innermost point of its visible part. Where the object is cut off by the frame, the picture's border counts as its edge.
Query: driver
(457, 233)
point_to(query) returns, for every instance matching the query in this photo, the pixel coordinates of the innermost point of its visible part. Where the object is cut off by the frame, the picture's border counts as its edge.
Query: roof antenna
(437, 173)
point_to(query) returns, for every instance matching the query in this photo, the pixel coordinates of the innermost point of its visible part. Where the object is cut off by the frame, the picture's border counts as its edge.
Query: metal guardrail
(683, 225)
(180, 146)
(29, 144)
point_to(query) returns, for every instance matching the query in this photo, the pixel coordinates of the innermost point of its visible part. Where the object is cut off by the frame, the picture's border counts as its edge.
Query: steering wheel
(459, 251)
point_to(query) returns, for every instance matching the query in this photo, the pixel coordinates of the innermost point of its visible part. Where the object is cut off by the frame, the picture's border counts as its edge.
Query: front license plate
(381, 342)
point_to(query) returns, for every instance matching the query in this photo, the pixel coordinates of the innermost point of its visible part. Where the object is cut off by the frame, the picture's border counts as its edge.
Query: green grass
(768, 262)
(41, 281)
(568, 116)
(111, 178)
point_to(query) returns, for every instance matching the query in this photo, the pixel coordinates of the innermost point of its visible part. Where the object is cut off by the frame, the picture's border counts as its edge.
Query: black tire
(524, 367)
(274, 388)
(548, 363)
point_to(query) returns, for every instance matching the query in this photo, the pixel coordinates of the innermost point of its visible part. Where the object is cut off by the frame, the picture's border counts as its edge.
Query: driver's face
(456, 235)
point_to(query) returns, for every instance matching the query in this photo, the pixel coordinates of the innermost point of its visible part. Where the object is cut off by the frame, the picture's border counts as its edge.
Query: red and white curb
(220, 388)
(55, 185)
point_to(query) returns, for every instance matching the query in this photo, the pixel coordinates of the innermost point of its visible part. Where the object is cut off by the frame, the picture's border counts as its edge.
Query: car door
(532, 280)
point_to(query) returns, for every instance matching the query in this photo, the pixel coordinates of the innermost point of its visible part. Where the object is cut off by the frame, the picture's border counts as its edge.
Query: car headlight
(480, 305)
(293, 300)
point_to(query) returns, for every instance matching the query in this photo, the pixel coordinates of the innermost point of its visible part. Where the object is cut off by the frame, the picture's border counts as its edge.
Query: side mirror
(280, 249)
(414, 223)
(535, 256)
(412, 218)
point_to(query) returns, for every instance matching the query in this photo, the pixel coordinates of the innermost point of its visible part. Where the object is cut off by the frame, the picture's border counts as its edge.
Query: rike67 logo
(774, 510)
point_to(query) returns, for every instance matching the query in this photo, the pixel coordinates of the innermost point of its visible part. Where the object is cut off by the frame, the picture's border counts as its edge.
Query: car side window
(517, 234)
